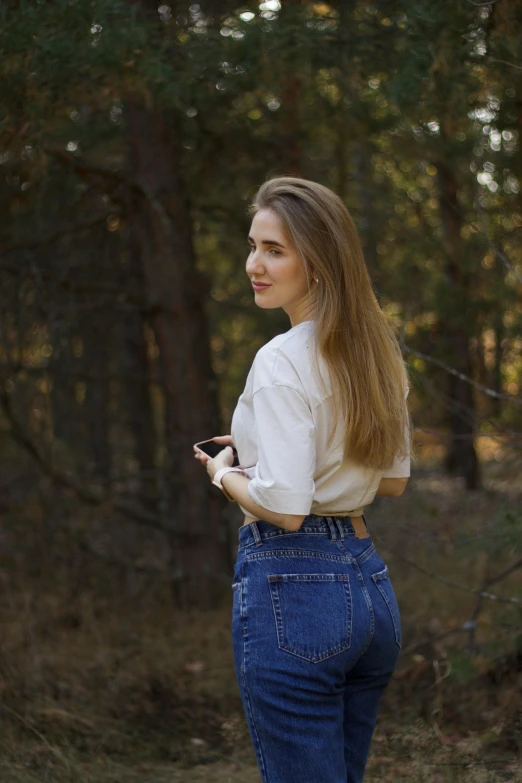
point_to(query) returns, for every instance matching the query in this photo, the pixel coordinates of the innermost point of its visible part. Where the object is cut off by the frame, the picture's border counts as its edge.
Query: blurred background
(132, 138)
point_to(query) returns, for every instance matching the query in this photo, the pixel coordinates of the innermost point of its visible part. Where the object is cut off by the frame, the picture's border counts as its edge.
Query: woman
(320, 429)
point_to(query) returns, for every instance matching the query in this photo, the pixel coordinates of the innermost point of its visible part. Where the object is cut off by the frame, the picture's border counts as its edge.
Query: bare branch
(465, 414)
(464, 628)
(461, 376)
(505, 62)
(98, 174)
(458, 585)
(478, 605)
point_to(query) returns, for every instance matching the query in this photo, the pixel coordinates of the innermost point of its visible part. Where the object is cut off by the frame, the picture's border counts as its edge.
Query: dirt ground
(107, 687)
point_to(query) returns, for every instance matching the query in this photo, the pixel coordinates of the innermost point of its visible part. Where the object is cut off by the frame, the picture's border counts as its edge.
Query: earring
(316, 279)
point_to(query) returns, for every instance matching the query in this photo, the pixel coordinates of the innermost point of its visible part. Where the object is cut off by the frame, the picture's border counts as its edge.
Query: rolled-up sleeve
(284, 475)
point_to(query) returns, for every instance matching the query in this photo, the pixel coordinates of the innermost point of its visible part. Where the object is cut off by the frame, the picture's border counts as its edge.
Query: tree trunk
(97, 349)
(178, 292)
(97, 335)
(291, 89)
(291, 129)
(461, 457)
(137, 392)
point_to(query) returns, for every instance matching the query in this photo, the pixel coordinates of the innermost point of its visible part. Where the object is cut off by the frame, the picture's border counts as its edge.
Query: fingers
(225, 439)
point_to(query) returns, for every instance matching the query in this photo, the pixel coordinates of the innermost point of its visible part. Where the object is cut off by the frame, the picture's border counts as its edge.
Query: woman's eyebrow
(268, 242)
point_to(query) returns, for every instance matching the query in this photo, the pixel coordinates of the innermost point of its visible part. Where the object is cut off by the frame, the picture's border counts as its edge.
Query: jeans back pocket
(313, 614)
(384, 586)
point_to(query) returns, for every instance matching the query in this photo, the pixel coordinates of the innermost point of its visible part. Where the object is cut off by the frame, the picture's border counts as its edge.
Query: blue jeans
(316, 633)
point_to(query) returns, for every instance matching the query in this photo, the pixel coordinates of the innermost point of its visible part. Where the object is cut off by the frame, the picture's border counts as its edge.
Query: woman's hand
(226, 440)
(225, 458)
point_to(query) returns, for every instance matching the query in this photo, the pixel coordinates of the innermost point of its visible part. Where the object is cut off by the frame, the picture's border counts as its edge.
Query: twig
(478, 605)
(464, 628)
(512, 65)
(458, 585)
(461, 376)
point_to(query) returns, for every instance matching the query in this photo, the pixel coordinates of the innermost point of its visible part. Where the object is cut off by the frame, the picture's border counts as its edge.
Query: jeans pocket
(313, 614)
(384, 586)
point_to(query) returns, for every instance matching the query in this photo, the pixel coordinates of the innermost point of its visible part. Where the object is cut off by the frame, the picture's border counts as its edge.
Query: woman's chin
(266, 305)
(264, 300)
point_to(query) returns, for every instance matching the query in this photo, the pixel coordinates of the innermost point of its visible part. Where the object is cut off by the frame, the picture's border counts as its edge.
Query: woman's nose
(254, 265)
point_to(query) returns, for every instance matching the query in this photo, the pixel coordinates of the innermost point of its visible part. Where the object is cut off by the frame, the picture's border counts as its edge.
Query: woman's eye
(275, 252)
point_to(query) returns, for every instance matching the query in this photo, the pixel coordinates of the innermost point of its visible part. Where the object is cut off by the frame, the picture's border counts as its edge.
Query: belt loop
(255, 533)
(333, 533)
(340, 528)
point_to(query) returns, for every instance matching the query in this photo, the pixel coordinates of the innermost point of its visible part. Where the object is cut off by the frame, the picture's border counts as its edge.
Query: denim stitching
(344, 558)
(243, 617)
(363, 557)
(262, 766)
(276, 606)
(241, 600)
(376, 579)
(287, 533)
(368, 600)
(366, 554)
(309, 577)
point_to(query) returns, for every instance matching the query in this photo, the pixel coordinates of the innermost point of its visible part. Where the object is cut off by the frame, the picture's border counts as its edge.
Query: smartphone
(212, 449)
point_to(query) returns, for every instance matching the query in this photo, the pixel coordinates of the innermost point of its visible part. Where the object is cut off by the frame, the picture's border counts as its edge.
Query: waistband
(335, 527)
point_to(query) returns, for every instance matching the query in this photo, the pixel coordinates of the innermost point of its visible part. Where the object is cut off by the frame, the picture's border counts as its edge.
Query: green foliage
(397, 90)
(411, 115)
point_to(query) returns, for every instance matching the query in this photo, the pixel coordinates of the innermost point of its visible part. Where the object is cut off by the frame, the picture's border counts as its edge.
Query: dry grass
(111, 684)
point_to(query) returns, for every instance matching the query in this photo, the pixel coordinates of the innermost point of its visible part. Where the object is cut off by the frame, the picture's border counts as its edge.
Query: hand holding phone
(212, 449)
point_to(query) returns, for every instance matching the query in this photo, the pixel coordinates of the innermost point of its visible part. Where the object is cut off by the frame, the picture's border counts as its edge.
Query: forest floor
(106, 685)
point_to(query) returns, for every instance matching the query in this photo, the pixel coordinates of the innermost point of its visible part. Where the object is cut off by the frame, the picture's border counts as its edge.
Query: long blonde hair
(368, 374)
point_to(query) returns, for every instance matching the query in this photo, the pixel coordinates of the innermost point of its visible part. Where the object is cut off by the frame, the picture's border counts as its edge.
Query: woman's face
(273, 259)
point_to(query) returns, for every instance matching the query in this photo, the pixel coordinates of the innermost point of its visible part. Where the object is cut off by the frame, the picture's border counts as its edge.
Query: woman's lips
(260, 286)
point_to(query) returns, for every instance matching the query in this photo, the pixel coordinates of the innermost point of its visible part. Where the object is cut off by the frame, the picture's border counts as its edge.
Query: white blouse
(280, 428)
